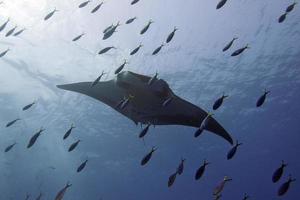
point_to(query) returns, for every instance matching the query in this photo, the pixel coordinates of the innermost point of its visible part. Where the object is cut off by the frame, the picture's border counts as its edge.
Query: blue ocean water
(195, 68)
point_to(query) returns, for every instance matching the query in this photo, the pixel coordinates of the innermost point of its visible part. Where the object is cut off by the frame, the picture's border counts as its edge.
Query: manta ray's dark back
(146, 103)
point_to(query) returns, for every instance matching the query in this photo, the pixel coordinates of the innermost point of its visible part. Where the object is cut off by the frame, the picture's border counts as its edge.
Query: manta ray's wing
(106, 92)
(182, 112)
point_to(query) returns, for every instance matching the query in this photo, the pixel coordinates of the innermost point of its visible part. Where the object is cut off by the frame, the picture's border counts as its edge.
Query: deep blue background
(196, 69)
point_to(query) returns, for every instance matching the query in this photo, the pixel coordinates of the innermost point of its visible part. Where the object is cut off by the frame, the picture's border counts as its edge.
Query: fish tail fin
(284, 164)
(68, 184)
(267, 91)
(209, 114)
(238, 144)
(206, 163)
(228, 179)
(291, 179)
(224, 95)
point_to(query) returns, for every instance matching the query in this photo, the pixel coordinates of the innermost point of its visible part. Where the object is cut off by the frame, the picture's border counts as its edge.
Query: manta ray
(146, 104)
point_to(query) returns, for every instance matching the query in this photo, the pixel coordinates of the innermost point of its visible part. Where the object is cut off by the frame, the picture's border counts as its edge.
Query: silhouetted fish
(82, 166)
(262, 99)
(67, 134)
(34, 138)
(278, 172)
(19, 32)
(4, 52)
(110, 31)
(203, 125)
(12, 122)
(106, 49)
(48, 16)
(219, 102)
(119, 69)
(134, 2)
(144, 131)
(154, 78)
(120, 103)
(60, 195)
(2, 27)
(172, 179)
(39, 197)
(180, 168)
(232, 151)
(285, 186)
(246, 197)
(229, 44)
(239, 51)
(108, 28)
(11, 31)
(97, 7)
(221, 4)
(146, 159)
(129, 21)
(201, 170)
(77, 37)
(126, 102)
(98, 79)
(73, 146)
(291, 7)
(171, 35)
(28, 106)
(157, 50)
(282, 18)
(219, 188)
(7, 149)
(27, 196)
(217, 197)
(136, 50)
(146, 27)
(167, 101)
(83, 4)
